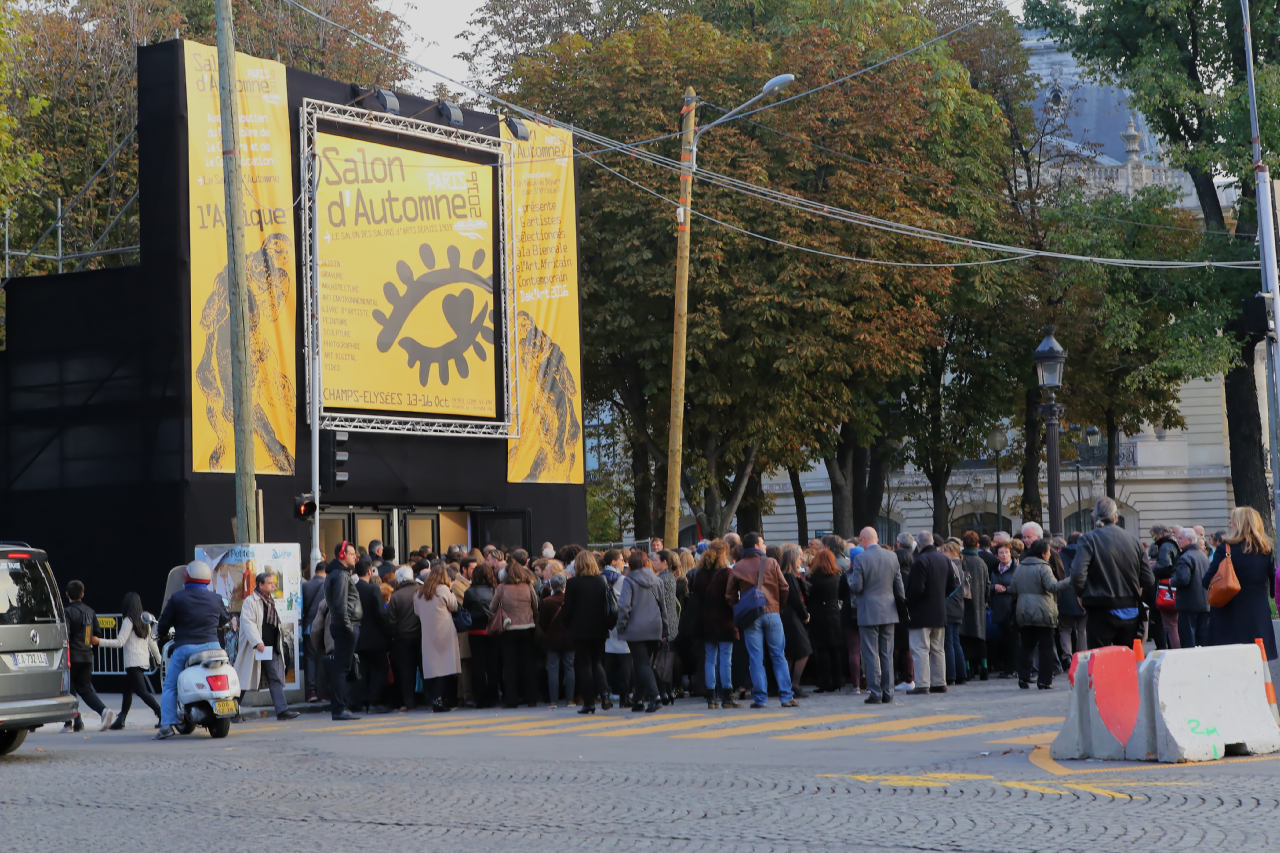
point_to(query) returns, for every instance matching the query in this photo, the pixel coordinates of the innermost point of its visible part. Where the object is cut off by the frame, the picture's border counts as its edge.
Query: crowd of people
(733, 620)
(736, 620)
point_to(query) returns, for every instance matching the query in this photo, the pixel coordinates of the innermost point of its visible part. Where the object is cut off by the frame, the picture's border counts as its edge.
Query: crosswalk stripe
(775, 726)
(671, 727)
(874, 728)
(411, 725)
(985, 728)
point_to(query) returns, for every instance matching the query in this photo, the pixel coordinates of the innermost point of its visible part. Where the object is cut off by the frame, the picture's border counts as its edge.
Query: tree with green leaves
(1183, 64)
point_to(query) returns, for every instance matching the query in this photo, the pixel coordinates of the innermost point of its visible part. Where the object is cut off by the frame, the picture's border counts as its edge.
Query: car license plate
(26, 659)
(224, 707)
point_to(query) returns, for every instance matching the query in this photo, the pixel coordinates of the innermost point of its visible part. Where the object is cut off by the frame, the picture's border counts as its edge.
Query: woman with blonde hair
(1247, 616)
(434, 605)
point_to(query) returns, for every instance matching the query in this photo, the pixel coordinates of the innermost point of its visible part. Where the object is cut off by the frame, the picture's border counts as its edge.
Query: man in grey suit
(876, 585)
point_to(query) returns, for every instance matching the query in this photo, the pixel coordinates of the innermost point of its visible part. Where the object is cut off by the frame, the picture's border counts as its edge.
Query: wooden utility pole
(241, 388)
(675, 426)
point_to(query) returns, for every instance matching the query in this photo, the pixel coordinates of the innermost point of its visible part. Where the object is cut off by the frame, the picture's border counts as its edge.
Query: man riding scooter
(198, 617)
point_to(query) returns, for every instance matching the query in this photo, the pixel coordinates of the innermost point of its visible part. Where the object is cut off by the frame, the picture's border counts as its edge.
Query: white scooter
(208, 692)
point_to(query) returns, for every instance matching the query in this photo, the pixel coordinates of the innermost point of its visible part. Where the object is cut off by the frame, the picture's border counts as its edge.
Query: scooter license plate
(225, 707)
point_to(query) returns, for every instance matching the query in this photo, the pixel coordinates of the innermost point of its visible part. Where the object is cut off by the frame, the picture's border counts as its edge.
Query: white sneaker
(906, 685)
(108, 717)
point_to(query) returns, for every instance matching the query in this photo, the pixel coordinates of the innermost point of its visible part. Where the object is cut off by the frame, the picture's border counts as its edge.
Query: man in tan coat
(260, 630)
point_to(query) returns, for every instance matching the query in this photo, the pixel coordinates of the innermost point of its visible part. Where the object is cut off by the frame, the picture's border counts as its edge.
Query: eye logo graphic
(471, 328)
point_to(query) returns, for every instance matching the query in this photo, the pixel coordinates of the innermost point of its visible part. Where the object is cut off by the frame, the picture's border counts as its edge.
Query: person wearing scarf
(259, 630)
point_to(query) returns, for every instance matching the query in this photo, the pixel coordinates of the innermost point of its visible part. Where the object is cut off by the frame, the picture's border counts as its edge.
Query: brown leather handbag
(1224, 585)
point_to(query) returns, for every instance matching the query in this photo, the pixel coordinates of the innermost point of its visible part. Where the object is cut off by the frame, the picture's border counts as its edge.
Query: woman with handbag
(434, 605)
(715, 624)
(587, 619)
(515, 611)
(1247, 553)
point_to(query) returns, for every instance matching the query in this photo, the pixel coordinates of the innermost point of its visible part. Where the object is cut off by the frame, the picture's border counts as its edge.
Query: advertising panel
(406, 271)
(267, 180)
(235, 571)
(549, 449)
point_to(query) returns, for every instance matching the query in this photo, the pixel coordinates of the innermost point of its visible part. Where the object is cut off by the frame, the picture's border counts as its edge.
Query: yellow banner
(549, 449)
(406, 280)
(267, 178)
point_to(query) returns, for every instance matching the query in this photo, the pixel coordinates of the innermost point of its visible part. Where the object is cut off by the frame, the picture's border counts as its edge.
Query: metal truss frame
(508, 424)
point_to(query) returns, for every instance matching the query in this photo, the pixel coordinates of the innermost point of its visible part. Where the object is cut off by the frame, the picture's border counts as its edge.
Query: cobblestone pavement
(958, 772)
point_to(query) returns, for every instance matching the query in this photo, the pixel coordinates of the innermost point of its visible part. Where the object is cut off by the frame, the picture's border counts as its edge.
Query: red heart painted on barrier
(1113, 674)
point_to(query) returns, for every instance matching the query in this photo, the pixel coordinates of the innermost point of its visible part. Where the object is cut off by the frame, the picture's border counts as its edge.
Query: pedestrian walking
(83, 634)
(136, 638)
(345, 613)
(259, 632)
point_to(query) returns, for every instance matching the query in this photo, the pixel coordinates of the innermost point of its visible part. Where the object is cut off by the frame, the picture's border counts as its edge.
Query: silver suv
(35, 667)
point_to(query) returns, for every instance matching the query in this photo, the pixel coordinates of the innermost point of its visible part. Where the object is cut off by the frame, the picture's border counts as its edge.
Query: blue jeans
(177, 663)
(560, 664)
(954, 653)
(719, 658)
(1193, 629)
(767, 631)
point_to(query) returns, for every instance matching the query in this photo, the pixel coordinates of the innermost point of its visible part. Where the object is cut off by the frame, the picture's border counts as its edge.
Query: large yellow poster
(267, 177)
(406, 280)
(549, 449)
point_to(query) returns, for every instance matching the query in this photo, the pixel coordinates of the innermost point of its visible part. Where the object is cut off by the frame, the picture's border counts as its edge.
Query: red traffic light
(304, 507)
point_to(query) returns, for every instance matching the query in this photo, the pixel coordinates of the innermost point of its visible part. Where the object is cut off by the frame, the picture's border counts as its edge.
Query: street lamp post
(1050, 358)
(998, 441)
(689, 136)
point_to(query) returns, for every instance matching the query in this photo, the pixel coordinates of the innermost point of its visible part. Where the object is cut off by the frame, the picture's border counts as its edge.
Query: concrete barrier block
(1142, 743)
(1102, 706)
(1210, 702)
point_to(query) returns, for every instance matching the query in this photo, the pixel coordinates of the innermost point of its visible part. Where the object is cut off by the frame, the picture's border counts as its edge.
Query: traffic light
(304, 507)
(333, 459)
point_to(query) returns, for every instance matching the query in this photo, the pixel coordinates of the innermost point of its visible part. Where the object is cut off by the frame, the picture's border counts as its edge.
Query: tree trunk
(1030, 506)
(750, 514)
(802, 510)
(1113, 451)
(1207, 195)
(642, 491)
(1244, 426)
(941, 512)
(839, 466)
(871, 492)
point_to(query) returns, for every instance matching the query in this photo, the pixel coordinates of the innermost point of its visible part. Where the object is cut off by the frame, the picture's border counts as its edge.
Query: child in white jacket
(137, 637)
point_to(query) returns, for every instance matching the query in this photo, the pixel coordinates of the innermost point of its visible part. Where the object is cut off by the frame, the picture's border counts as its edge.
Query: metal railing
(108, 661)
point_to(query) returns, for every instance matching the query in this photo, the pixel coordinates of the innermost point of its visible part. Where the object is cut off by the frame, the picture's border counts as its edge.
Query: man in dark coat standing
(931, 581)
(343, 600)
(1110, 571)
(372, 640)
(1187, 574)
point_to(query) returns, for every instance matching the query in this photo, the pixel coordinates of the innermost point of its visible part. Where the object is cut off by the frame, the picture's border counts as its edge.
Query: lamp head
(1049, 356)
(777, 84)
(1093, 436)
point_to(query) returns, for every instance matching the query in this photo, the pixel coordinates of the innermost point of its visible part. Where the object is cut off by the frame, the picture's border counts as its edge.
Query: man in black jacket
(198, 617)
(82, 632)
(343, 600)
(1109, 572)
(312, 592)
(1187, 574)
(372, 641)
(931, 581)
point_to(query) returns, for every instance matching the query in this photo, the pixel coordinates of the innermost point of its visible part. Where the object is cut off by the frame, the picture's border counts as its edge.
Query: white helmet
(198, 571)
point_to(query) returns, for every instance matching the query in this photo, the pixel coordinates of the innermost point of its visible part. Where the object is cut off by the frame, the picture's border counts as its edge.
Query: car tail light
(217, 682)
(18, 555)
(67, 649)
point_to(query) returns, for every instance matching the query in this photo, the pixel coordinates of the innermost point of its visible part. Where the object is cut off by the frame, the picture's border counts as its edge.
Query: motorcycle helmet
(198, 571)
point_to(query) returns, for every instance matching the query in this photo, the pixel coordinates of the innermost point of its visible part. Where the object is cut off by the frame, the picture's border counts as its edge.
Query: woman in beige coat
(435, 604)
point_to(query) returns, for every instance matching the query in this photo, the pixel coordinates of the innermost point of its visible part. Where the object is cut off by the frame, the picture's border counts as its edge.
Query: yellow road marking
(985, 728)
(584, 727)
(579, 725)
(777, 726)
(403, 724)
(922, 780)
(873, 728)
(1032, 786)
(671, 727)
(547, 726)
(1040, 758)
(1101, 792)
(456, 727)
(1037, 739)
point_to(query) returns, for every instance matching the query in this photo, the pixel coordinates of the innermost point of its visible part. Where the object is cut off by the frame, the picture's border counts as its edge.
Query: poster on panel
(267, 177)
(406, 280)
(235, 572)
(549, 449)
